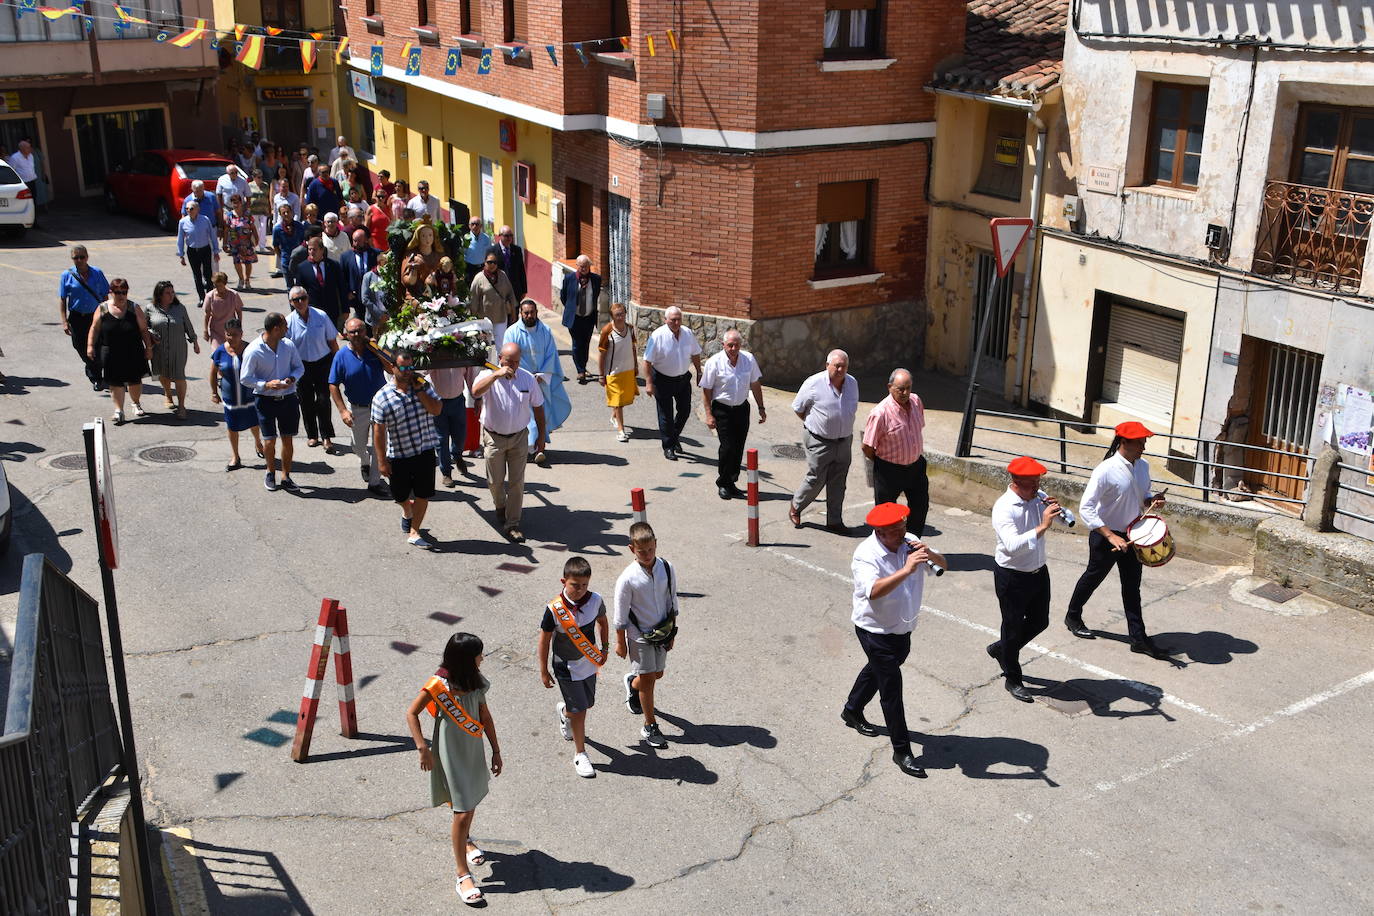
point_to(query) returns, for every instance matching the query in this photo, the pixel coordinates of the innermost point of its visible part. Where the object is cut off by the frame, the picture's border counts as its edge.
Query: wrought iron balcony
(1313, 236)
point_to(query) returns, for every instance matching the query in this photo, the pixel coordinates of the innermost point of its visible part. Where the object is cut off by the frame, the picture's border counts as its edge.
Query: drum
(1150, 537)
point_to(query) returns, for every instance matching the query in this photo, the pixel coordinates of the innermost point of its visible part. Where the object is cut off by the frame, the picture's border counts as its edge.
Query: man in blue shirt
(209, 203)
(478, 244)
(271, 367)
(79, 293)
(357, 374)
(314, 335)
(196, 240)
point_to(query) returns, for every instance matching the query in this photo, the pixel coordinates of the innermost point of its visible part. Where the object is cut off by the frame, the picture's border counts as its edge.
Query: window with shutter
(843, 220)
(851, 29)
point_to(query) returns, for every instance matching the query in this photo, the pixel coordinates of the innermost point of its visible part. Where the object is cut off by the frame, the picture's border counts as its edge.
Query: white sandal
(469, 897)
(476, 857)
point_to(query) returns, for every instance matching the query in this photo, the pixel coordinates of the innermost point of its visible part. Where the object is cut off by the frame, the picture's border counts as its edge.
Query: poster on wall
(1354, 420)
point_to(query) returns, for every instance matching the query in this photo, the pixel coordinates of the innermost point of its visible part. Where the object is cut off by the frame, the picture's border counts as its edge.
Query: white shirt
(671, 355)
(649, 596)
(227, 186)
(419, 208)
(262, 364)
(730, 384)
(509, 402)
(1116, 493)
(828, 415)
(336, 246)
(1015, 521)
(24, 166)
(895, 612)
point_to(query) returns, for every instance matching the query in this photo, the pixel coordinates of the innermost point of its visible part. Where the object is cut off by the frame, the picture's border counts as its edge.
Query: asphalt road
(1234, 779)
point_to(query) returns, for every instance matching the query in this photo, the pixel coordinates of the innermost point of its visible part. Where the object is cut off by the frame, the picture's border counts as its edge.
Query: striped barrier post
(343, 673)
(637, 510)
(751, 463)
(314, 680)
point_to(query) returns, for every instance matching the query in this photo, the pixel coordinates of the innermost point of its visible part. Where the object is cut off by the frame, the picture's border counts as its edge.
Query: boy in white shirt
(576, 660)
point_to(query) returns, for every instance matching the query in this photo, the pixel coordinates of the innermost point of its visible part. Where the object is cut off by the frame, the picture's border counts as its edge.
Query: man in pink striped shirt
(893, 441)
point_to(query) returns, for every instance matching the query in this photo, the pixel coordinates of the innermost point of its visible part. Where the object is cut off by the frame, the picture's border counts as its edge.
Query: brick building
(768, 173)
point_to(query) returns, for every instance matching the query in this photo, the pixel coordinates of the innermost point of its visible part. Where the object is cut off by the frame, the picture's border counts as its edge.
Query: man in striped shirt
(893, 441)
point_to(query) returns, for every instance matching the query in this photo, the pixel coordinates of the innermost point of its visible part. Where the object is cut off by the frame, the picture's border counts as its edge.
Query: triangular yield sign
(1008, 235)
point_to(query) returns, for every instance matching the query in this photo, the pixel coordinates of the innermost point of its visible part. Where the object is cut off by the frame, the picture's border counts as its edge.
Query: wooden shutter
(851, 4)
(842, 201)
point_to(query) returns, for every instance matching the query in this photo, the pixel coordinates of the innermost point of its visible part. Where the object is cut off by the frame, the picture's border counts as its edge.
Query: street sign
(1008, 235)
(105, 507)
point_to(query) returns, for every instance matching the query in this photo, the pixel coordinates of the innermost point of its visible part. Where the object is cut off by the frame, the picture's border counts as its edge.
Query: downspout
(1028, 283)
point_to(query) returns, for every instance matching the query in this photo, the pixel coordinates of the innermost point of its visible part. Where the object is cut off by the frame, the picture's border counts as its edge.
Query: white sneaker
(583, 766)
(623, 436)
(564, 725)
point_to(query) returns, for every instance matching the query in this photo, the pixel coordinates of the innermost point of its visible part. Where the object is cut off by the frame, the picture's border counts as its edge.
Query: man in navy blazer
(323, 281)
(581, 298)
(512, 259)
(355, 262)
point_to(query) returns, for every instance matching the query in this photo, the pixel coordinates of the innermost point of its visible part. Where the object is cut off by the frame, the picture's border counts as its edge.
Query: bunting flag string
(238, 30)
(185, 39)
(484, 67)
(307, 55)
(55, 14)
(251, 52)
(553, 53)
(340, 51)
(453, 62)
(411, 55)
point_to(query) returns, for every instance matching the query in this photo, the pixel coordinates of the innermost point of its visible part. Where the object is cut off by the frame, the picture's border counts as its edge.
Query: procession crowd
(407, 426)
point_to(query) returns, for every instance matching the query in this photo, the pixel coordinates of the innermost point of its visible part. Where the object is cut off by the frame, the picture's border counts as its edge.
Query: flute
(912, 543)
(1064, 513)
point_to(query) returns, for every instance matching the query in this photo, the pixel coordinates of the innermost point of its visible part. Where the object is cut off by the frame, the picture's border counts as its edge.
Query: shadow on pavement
(1209, 647)
(969, 562)
(246, 882)
(719, 735)
(975, 757)
(32, 534)
(20, 384)
(1101, 696)
(644, 762)
(389, 744)
(538, 871)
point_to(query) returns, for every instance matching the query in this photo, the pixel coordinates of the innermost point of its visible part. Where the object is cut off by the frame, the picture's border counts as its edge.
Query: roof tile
(1011, 47)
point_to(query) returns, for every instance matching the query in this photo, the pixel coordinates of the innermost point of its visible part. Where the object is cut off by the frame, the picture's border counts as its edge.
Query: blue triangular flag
(577, 46)
(553, 54)
(453, 62)
(515, 51)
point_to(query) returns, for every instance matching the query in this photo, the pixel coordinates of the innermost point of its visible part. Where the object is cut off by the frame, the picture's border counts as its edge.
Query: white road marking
(1148, 690)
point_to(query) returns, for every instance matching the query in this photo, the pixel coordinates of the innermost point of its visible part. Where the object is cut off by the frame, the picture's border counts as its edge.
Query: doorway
(620, 261)
(1283, 404)
(105, 139)
(288, 125)
(994, 306)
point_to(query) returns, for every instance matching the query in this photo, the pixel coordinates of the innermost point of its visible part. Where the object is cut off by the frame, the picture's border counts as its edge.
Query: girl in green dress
(457, 764)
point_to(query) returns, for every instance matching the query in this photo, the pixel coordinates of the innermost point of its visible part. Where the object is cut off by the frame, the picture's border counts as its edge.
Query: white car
(17, 205)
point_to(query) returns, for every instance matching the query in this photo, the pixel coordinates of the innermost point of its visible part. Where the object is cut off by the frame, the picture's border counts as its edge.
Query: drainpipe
(1027, 287)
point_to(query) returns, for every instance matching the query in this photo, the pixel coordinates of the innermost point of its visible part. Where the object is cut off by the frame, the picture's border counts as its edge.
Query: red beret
(884, 514)
(1025, 467)
(1132, 430)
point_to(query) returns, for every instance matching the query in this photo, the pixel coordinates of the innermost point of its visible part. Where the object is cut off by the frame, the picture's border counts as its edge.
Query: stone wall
(789, 349)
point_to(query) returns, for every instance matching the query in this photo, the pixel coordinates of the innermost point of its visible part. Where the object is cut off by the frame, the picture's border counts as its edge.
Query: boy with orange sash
(567, 630)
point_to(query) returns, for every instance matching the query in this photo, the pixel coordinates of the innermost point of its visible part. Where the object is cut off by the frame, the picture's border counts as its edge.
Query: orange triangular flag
(672, 39)
(307, 55)
(650, 40)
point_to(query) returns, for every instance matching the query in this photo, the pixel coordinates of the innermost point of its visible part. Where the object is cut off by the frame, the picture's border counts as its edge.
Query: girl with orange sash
(457, 698)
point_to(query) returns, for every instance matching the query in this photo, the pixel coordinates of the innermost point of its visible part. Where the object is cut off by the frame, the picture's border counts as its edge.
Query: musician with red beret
(1116, 494)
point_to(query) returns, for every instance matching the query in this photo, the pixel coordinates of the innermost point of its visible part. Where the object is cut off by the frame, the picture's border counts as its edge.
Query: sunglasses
(491, 263)
(300, 298)
(119, 289)
(79, 257)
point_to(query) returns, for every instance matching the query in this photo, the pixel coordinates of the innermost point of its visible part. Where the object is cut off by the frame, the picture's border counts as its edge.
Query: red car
(155, 182)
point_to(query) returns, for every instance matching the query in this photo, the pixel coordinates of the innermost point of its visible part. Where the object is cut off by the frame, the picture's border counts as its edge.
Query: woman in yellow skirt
(619, 356)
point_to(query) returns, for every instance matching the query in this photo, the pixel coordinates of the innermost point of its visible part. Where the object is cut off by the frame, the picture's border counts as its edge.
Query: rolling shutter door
(1143, 353)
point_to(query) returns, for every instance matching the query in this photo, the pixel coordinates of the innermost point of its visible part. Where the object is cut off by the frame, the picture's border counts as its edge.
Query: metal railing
(1205, 447)
(1314, 236)
(61, 739)
(1343, 487)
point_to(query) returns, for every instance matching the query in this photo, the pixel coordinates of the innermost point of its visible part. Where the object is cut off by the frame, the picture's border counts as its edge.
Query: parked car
(156, 181)
(17, 205)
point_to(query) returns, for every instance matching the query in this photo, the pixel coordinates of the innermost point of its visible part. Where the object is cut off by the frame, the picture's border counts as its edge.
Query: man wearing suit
(512, 259)
(581, 296)
(356, 262)
(323, 282)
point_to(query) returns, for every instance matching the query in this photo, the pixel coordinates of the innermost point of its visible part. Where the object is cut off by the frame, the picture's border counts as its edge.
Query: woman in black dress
(120, 344)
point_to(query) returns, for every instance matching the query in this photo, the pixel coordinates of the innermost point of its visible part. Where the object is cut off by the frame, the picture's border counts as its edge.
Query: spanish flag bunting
(672, 39)
(340, 51)
(238, 31)
(649, 39)
(307, 55)
(273, 30)
(250, 55)
(625, 42)
(50, 12)
(124, 16)
(185, 39)
(318, 35)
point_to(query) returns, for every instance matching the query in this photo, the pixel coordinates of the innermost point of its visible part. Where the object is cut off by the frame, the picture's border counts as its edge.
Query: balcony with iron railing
(1312, 236)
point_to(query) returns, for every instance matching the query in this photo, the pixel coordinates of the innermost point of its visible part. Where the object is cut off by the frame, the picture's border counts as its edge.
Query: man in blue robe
(539, 354)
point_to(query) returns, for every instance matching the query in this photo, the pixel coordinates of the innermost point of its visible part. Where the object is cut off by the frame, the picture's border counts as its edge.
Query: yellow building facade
(497, 166)
(280, 101)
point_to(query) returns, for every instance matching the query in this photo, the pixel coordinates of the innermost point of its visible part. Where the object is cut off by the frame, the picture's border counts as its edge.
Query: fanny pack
(664, 631)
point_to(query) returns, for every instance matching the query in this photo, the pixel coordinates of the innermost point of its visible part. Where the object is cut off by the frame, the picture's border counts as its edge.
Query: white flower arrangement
(437, 331)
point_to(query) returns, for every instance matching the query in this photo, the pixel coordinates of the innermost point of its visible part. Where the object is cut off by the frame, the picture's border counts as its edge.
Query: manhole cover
(794, 452)
(69, 462)
(167, 454)
(1276, 593)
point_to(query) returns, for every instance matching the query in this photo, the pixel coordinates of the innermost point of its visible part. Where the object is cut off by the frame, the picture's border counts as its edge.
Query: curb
(181, 872)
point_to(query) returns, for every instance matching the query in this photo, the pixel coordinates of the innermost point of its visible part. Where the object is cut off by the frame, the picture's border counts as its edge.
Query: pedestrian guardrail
(1360, 496)
(1204, 463)
(60, 741)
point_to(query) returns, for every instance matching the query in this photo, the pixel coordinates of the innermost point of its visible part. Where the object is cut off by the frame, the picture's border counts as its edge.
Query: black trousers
(201, 261)
(1101, 559)
(673, 397)
(80, 323)
(883, 676)
(581, 333)
(1025, 601)
(893, 480)
(732, 426)
(313, 389)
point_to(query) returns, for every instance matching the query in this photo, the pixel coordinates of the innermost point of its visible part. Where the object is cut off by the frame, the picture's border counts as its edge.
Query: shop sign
(391, 95)
(284, 94)
(9, 101)
(1007, 151)
(507, 134)
(363, 90)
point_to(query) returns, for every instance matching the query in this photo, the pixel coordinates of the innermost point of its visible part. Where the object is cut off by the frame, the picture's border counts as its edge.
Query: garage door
(1143, 353)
